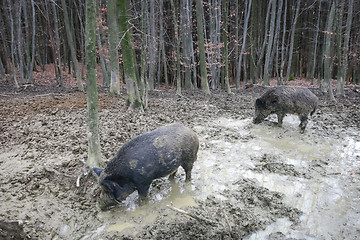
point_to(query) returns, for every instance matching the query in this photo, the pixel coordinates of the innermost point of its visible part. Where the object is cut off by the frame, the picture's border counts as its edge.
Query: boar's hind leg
(187, 167)
(280, 117)
(303, 123)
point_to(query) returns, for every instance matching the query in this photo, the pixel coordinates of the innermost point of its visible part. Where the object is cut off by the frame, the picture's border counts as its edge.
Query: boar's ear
(97, 171)
(260, 103)
(112, 187)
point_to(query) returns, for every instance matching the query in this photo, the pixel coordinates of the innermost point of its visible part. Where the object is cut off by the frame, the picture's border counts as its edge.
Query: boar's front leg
(143, 192)
(303, 123)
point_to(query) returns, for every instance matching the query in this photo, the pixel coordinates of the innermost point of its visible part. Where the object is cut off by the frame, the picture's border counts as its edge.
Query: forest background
(183, 43)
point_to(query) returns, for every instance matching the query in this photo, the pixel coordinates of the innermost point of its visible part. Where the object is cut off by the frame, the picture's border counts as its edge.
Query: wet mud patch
(45, 185)
(234, 215)
(12, 230)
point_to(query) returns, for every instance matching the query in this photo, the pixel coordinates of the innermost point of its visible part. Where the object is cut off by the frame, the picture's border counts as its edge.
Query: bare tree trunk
(129, 64)
(152, 45)
(292, 36)
(316, 37)
(225, 49)
(114, 46)
(104, 67)
(12, 43)
(283, 49)
(270, 44)
(57, 37)
(162, 45)
(327, 52)
(94, 152)
(177, 39)
(203, 71)
(344, 62)
(262, 51)
(31, 66)
(19, 45)
(143, 86)
(242, 52)
(186, 42)
(72, 46)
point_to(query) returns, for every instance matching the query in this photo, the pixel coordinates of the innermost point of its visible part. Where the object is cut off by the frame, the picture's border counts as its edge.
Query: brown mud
(250, 181)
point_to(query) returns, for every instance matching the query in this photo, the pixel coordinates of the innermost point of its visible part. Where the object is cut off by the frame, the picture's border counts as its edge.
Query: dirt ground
(47, 192)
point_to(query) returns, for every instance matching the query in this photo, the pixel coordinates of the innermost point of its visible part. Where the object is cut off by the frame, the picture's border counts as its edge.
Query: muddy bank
(248, 180)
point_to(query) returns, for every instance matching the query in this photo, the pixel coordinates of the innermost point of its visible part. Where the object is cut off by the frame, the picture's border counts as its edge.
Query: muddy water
(315, 172)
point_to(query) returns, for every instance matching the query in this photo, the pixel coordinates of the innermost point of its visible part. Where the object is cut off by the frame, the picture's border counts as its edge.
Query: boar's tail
(312, 112)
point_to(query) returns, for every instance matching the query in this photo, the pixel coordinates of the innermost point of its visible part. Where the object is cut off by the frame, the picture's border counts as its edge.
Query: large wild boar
(283, 100)
(146, 157)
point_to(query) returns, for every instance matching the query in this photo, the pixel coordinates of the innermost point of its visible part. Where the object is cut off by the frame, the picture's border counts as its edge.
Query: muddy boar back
(283, 100)
(147, 157)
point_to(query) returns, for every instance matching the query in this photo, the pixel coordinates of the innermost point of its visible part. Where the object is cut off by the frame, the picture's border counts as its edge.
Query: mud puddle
(316, 174)
(313, 173)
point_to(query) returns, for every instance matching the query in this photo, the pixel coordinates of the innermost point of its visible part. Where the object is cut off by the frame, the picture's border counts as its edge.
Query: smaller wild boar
(285, 99)
(147, 157)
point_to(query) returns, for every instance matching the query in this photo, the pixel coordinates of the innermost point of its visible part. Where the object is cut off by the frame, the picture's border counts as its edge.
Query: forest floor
(249, 181)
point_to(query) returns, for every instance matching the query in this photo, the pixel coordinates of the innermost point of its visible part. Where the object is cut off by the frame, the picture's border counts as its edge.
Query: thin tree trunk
(19, 45)
(152, 45)
(104, 67)
(162, 45)
(94, 152)
(339, 56)
(113, 45)
(72, 46)
(262, 51)
(344, 63)
(327, 52)
(31, 66)
(143, 87)
(292, 36)
(312, 74)
(270, 46)
(283, 49)
(133, 100)
(12, 44)
(57, 37)
(186, 42)
(200, 32)
(242, 52)
(225, 49)
(177, 40)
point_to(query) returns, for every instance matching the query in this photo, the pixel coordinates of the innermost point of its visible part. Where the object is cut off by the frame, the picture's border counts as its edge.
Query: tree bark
(177, 40)
(94, 152)
(114, 46)
(59, 78)
(270, 44)
(12, 43)
(225, 49)
(71, 45)
(133, 98)
(292, 36)
(344, 62)
(242, 51)
(316, 37)
(203, 71)
(327, 52)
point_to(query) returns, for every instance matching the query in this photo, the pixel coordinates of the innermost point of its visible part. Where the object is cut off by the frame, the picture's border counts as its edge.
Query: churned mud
(249, 182)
